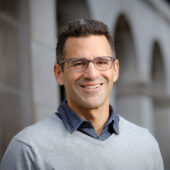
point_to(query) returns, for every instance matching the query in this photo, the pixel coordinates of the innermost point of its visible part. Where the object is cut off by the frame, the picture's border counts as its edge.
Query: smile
(92, 86)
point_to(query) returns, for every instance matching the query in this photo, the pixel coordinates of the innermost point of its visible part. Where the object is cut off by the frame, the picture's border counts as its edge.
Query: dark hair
(78, 28)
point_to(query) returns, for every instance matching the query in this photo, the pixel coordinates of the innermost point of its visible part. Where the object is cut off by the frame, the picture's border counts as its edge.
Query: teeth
(92, 87)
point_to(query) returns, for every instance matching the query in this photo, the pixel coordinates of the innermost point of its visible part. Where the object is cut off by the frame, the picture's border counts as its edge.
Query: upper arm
(18, 156)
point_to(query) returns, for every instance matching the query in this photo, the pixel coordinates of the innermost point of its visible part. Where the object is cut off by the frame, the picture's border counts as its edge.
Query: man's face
(91, 88)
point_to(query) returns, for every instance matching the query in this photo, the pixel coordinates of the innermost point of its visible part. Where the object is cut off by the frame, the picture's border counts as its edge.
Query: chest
(77, 152)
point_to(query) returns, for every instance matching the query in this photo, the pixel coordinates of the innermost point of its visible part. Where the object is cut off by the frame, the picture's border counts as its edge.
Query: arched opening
(125, 52)
(158, 71)
(68, 10)
(160, 103)
(127, 102)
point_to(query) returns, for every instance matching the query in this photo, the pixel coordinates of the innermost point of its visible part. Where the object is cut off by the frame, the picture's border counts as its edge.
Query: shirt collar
(72, 121)
(114, 119)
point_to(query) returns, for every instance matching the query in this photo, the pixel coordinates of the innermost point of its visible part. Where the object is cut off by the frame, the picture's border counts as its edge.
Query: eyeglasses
(81, 64)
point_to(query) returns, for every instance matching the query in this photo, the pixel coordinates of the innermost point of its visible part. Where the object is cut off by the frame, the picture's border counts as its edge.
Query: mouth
(95, 86)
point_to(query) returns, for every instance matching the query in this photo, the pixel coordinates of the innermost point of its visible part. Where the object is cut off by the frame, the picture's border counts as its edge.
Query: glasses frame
(88, 61)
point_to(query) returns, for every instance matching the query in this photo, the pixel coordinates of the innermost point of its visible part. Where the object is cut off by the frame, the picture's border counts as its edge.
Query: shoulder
(134, 131)
(139, 136)
(131, 128)
(140, 142)
(32, 143)
(40, 132)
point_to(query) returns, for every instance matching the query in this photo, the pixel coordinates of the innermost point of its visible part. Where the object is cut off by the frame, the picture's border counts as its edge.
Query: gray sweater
(47, 145)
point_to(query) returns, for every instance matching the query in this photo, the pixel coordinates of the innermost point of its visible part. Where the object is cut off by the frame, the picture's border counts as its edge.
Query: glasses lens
(103, 63)
(78, 64)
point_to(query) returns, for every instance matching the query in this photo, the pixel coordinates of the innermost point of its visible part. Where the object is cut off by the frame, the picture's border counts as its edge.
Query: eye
(78, 63)
(102, 62)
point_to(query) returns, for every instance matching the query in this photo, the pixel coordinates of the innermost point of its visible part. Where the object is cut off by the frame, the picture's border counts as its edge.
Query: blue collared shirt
(73, 122)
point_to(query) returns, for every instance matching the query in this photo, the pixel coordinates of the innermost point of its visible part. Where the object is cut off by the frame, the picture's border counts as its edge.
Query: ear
(58, 74)
(116, 70)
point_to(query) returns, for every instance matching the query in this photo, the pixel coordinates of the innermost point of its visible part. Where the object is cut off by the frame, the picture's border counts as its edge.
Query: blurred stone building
(28, 36)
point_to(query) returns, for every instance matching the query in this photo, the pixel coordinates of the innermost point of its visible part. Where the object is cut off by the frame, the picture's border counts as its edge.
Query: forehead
(92, 45)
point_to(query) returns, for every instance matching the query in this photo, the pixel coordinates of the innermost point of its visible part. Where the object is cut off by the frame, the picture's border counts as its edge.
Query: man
(85, 133)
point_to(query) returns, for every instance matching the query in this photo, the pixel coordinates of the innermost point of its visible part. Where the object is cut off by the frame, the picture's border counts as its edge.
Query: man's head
(86, 64)
(80, 28)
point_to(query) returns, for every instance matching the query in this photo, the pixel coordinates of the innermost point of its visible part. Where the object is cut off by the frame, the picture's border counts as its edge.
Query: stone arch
(158, 76)
(160, 102)
(125, 51)
(127, 102)
(68, 10)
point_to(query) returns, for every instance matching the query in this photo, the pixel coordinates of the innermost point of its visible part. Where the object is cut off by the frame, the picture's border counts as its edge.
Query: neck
(97, 116)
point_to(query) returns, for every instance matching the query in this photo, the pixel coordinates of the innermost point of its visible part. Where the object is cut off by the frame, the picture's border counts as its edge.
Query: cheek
(70, 80)
(109, 76)
(112, 75)
(72, 77)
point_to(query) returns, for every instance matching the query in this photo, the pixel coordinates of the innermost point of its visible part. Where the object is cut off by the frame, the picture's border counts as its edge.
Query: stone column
(162, 127)
(15, 89)
(42, 44)
(135, 104)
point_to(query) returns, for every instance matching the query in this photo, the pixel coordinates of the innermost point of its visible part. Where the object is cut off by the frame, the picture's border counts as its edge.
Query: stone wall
(140, 29)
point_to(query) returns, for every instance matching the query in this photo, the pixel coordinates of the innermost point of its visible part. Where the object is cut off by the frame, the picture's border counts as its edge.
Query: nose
(91, 72)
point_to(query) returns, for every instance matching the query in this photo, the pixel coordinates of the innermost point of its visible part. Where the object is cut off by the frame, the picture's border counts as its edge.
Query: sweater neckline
(84, 136)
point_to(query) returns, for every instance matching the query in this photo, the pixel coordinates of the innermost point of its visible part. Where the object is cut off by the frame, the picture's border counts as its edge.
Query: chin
(92, 104)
